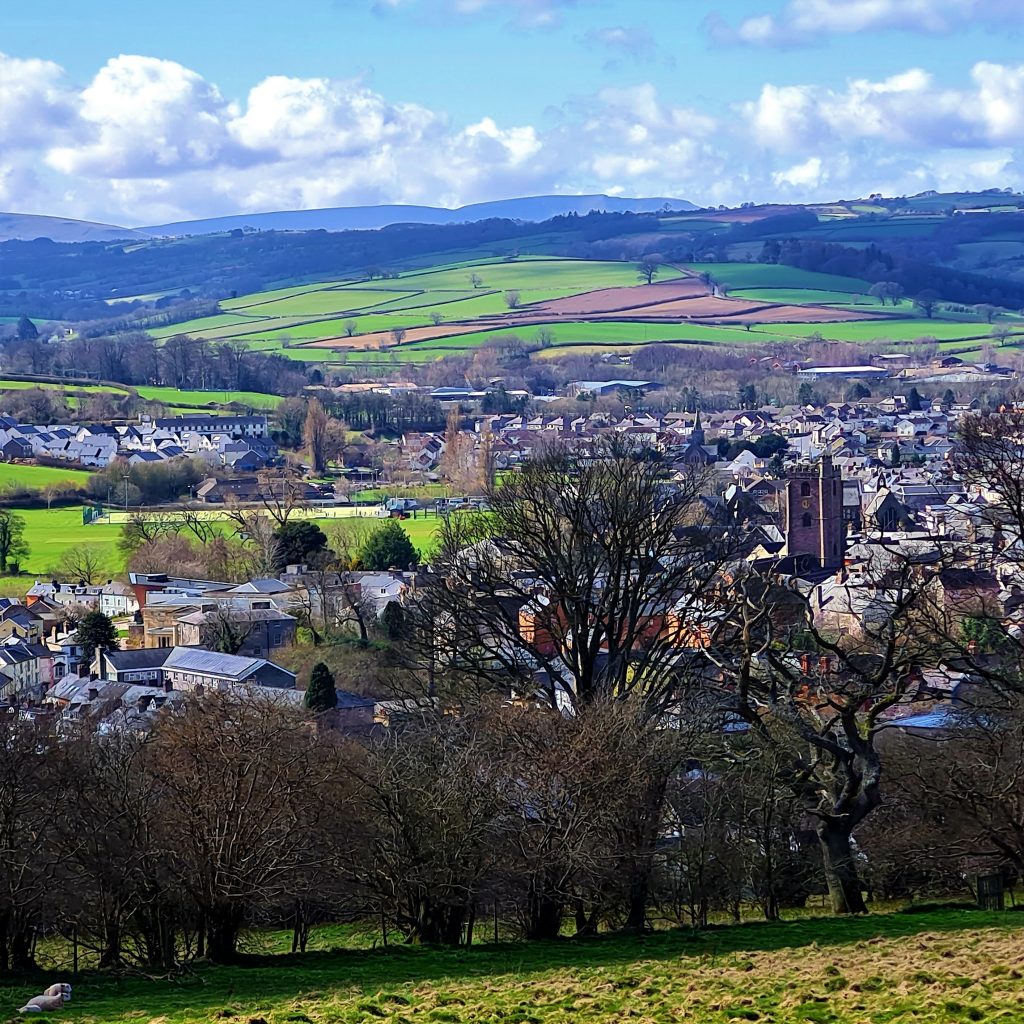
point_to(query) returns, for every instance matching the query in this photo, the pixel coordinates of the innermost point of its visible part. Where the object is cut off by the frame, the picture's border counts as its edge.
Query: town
(512, 512)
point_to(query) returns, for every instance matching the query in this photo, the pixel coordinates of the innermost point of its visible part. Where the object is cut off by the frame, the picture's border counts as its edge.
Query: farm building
(843, 372)
(599, 388)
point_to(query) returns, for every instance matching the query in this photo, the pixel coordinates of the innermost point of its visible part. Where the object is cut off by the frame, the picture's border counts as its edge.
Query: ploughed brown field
(681, 300)
(609, 300)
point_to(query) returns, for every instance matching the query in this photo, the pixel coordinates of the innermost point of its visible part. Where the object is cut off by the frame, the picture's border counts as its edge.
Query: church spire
(697, 436)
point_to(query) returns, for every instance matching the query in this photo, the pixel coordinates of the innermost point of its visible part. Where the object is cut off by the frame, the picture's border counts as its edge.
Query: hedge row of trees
(602, 717)
(236, 812)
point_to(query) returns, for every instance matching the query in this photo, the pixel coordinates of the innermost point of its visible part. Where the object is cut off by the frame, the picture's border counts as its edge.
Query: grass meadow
(287, 320)
(198, 399)
(35, 477)
(926, 968)
(320, 311)
(776, 275)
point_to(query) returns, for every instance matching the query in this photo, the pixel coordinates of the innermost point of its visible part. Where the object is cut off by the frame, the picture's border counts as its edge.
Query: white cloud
(805, 176)
(908, 109)
(140, 115)
(295, 117)
(34, 101)
(805, 21)
(147, 141)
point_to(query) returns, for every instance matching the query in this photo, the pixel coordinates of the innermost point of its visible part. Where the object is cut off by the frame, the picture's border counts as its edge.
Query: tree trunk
(844, 886)
(641, 866)
(111, 955)
(544, 914)
(222, 930)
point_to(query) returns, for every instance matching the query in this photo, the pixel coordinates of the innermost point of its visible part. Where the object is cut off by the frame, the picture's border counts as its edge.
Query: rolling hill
(347, 218)
(25, 227)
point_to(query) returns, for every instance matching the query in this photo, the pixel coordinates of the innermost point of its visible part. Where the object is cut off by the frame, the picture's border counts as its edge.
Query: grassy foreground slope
(933, 967)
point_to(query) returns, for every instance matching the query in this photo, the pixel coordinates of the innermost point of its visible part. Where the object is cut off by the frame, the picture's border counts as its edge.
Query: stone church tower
(814, 513)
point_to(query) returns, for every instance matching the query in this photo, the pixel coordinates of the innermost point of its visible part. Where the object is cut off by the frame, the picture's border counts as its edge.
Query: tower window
(805, 489)
(805, 520)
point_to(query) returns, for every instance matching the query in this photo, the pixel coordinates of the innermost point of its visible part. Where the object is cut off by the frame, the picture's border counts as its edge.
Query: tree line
(600, 714)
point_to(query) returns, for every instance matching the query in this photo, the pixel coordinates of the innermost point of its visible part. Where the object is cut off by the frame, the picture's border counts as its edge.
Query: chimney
(972, 647)
(93, 692)
(805, 664)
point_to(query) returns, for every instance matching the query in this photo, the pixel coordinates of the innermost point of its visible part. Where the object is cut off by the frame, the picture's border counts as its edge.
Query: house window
(163, 641)
(805, 489)
(805, 520)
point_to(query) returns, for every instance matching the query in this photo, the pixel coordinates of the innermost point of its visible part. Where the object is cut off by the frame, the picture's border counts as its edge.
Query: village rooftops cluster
(233, 442)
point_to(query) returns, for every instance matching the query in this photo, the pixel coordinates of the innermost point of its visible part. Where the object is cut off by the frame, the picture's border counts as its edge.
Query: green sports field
(52, 532)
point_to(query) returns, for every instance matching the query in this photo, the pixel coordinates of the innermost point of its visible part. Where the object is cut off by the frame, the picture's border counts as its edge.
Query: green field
(802, 296)
(12, 474)
(873, 330)
(256, 399)
(51, 532)
(320, 311)
(203, 323)
(935, 967)
(71, 387)
(771, 275)
(286, 320)
(570, 334)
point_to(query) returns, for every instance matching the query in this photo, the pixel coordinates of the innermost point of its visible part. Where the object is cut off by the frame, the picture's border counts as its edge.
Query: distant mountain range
(27, 227)
(346, 218)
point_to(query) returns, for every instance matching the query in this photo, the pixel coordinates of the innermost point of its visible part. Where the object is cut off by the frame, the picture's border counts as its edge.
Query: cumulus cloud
(804, 21)
(148, 141)
(908, 109)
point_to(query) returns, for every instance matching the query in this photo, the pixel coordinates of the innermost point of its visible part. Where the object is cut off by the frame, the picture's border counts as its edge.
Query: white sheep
(53, 998)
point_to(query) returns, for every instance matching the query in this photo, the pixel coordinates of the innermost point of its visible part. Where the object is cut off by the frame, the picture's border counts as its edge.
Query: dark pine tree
(321, 694)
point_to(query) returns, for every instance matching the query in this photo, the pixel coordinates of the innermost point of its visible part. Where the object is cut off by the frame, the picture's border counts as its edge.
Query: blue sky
(137, 112)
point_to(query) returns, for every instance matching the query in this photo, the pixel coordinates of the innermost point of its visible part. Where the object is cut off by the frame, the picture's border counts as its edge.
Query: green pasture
(887, 330)
(326, 301)
(52, 532)
(172, 396)
(242, 301)
(70, 387)
(18, 475)
(320, 311)
(203, 323)
(604, 332)
(931, 967)
(771, 275)
(802, 296)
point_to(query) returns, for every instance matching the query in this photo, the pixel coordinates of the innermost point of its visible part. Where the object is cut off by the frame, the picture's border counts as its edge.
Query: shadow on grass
(257, 982)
